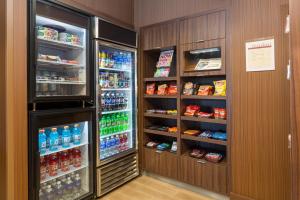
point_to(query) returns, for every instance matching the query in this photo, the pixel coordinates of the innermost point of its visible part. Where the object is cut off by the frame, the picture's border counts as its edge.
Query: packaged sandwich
(220, 88)
(205, 90)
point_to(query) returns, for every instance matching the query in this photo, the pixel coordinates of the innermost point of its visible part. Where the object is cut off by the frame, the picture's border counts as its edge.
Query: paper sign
(260, 55)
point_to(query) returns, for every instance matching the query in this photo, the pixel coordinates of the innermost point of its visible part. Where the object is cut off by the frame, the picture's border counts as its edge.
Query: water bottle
(77, 185)
(49, 195)
(102, 148)
(53, 139)
(113, 145)
(42, 141)
(117, 144)
(108, 147)
(69, 188)
(76, 135)
(66, 137)
(129, 61)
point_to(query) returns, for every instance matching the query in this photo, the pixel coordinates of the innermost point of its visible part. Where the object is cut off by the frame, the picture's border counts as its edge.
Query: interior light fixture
(200, 51)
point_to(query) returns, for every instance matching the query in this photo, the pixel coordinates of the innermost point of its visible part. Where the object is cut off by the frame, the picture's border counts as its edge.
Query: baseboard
(186, 186)
(234, 196)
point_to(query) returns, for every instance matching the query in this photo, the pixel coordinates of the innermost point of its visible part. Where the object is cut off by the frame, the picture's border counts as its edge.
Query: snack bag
(205, 115)
(197, 153)
(205, 90)
(188, 88)
(213, 157)
(191, 132)
(162, 72)
(172, 129)
(191, 110)
(162, 89)
(220, 88)
(150, 89)
(172, 89)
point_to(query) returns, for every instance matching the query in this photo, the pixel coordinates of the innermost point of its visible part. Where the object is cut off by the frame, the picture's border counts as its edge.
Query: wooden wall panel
(2, 103)
(295, 114)
(154, 11)
(260, 111)
(16, 99)
(117, 11)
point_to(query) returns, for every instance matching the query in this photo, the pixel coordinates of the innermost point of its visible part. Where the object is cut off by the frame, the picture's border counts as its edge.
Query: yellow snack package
(220, 88)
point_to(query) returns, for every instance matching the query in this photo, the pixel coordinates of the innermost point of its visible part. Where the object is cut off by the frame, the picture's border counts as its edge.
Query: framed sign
(260, 55)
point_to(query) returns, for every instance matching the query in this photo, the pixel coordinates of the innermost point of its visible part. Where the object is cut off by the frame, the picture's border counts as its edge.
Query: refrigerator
(116, 103)
(61, 110)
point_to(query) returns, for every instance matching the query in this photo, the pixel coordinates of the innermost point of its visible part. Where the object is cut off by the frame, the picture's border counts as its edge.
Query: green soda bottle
(108, 125)
(119, 128)
(126, 122)
(103, 125)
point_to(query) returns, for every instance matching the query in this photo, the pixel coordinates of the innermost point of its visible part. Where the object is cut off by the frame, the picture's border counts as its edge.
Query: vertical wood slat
(16, 99)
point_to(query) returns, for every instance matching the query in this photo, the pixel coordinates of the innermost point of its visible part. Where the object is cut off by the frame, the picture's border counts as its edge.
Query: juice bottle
(76, 157)
(70, 152)
(43, 167)
(42, 141)
(65, 161)
(53, 164)
(53, 139)
(76, 135)
(66, 137)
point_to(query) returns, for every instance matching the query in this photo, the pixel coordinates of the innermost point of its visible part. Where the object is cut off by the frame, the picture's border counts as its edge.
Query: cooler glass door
(116, 101)
(60, 63)
(61, 154)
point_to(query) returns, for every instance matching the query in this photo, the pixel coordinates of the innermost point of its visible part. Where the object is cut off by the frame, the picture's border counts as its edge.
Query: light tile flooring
(148, 188)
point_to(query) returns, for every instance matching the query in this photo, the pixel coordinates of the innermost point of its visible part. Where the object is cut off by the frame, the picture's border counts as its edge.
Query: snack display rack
(180, 165)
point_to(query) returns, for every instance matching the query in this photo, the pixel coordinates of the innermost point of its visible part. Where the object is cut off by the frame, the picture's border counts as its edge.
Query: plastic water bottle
(117, 144)
(49, 193)
(66, 137)
(113, 145)
(77, 185)
(69, 188)
(42, 141)
(102, 148)
(108, 147)
(53, 139)
(76, 135)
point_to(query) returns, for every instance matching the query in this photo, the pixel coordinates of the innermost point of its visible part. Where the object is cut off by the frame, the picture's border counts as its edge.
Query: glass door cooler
(59, 57)
(115, 53)
(61, 154)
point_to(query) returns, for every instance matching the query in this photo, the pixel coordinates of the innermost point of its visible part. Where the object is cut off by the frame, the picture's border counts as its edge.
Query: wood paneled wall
(155, 11)
(2, 103)
(16, 99)
(117, 11)
(260, 111)
(295, 52)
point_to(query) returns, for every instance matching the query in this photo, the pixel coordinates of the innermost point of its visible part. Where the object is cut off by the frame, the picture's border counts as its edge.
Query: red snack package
(197, 153)
(222, 113)
(150, 89)
(172, 89)
(205, 115)
(205, 90)
(191, 110)
(213, 157)
(162, 89)
(216, 113)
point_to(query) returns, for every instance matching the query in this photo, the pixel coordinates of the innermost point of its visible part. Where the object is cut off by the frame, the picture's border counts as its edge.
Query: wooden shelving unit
(180, 166)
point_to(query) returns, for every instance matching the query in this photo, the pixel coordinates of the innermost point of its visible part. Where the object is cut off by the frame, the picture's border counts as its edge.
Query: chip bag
(205, 90)
(150, 89)
(220, 88)
(162, 89)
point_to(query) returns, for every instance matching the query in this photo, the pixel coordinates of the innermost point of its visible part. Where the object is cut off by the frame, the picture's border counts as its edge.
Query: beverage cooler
(62, 115)
(61, 154)
(115, 49)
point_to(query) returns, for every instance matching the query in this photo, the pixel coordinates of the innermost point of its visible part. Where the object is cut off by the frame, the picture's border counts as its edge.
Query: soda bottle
(113, 145)
(121, 143)
(53, 164)
(113, 101)
(122, 100)
(77, 185)
(111, 60)
(102, 148)
(103, 107)
(76, 135)
(129, 61)
(126, 121)
(108, 147)
(125, 103)
(43, 168)
(42, 141)
(49, 194)
(125, 138)
(109, 124)
(53, 139)
(59, 189)
(76, 157)
(65, 161)
(108, 101)
(66, 137)
(103, 59)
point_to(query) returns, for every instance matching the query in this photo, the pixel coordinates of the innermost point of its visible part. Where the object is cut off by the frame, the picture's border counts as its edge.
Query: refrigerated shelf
(57, 43)
(118, 133)
(115, 70)
(115, 111)
(60, 173)
(115, 89)
(58, 64)
(48, 152)
(61, 82)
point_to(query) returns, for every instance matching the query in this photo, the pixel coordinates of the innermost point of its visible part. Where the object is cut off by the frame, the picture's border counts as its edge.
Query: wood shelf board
(206, 120)
(163, 133)
(160, 116)
(161, 96)
(158, 79)
(206, 140)
(203, 97)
